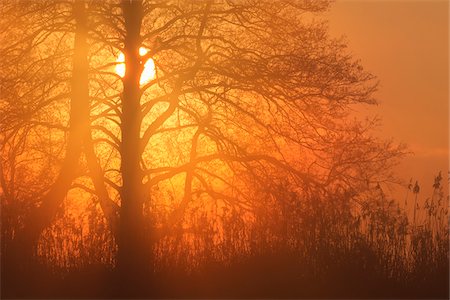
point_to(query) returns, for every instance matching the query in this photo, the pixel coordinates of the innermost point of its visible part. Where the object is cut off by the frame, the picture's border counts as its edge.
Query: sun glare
(148, 73)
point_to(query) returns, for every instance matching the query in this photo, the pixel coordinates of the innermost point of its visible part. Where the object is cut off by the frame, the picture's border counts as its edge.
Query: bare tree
(250, 89)
(19, 123)
(243, 95)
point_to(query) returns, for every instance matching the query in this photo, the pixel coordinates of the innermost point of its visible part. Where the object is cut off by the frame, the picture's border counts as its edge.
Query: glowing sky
(404, 43)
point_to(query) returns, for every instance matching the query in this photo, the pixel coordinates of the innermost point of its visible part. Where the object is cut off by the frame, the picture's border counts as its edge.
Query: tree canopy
(244, 98)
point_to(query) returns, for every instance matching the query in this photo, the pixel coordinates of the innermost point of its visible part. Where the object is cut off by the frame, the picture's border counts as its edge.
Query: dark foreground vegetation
(317, 248)
(187, 148)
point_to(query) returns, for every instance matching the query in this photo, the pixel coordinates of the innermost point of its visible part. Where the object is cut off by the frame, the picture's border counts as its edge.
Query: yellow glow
(148, 73)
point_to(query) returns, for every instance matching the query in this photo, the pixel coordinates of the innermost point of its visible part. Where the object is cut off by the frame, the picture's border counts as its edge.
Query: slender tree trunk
(132, 259)
(41, 217)
(79, 140)
(110, 208)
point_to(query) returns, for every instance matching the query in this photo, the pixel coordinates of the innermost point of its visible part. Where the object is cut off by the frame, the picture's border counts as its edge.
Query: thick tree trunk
(41, 217)
(132, 247)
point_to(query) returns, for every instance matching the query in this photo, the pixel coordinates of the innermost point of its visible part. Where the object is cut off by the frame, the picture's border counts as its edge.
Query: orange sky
(405, 44)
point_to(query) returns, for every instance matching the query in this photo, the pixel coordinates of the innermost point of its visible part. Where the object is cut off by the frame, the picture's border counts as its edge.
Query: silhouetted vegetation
(338, 246)
(233, 168)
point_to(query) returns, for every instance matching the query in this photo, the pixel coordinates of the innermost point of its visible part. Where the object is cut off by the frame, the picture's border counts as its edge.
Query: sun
(148, 73)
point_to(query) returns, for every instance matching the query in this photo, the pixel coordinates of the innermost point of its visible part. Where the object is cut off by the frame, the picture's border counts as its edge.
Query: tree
(30, 83)
(78, 131)
(243, 87)
(245, 95)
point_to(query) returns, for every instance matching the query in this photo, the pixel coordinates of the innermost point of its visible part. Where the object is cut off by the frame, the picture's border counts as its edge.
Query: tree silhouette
(247, 96)
(78, 131)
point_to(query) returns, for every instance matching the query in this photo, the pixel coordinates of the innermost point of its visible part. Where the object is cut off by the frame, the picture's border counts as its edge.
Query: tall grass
(289, 245)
